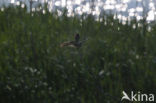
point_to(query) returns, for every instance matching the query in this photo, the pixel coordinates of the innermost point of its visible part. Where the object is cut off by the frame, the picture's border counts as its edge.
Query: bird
(75, 43)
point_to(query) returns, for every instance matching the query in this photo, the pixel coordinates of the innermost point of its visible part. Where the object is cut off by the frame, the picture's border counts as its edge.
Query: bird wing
(66, 43)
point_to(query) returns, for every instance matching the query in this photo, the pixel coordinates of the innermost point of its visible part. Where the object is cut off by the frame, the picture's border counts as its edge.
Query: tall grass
(34, 69)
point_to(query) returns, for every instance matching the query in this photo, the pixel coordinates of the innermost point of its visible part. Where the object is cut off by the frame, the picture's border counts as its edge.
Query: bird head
(77, 37)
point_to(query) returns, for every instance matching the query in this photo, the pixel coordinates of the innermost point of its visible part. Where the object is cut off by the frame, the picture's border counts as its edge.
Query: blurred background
(124, 8)
(118, 55)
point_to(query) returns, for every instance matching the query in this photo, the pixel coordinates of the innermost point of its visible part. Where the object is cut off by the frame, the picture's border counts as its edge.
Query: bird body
(76, 43)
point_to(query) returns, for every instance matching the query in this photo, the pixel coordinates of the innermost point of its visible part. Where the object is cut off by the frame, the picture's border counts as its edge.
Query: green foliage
(34, 69)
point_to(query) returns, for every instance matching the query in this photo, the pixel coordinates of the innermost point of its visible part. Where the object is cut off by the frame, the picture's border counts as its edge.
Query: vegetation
(34, 69)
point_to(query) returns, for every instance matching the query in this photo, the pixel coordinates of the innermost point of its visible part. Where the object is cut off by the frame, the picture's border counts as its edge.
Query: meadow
(35, 69)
